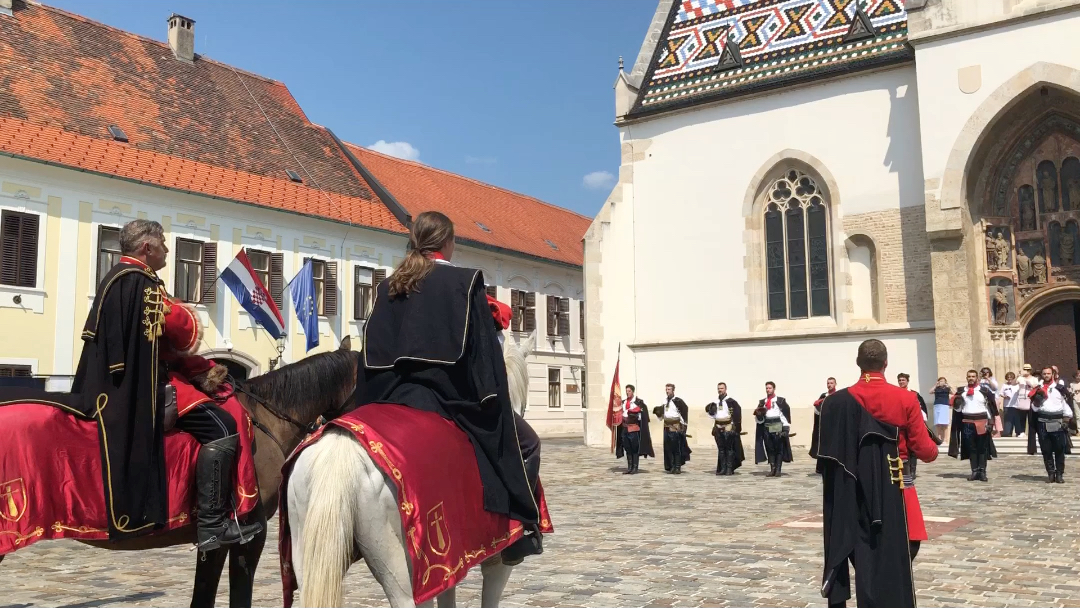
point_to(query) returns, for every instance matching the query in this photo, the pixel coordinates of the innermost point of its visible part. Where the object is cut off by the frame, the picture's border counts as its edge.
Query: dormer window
(294, 176)
(117, 133)
(483, 227)
(552, 245)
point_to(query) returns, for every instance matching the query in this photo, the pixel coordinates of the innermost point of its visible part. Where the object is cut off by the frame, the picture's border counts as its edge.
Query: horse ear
(346, 343)
(529, 345)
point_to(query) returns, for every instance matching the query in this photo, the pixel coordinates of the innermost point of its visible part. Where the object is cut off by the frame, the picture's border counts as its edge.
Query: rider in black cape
(430, 343)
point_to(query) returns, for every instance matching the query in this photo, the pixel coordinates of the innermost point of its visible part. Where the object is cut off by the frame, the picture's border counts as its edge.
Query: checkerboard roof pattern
(781, 42)
(514, 221)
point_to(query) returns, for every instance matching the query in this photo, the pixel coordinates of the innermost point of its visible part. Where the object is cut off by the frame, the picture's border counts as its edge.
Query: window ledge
(789, 334)
(31, 298)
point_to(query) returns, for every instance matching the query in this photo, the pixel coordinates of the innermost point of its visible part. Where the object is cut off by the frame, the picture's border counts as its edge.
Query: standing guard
(635, 440)
(727, 431)
(830, 388)
(674, 413)
(974, 411)
(902, 380)
(772, 440)
(1051, 412)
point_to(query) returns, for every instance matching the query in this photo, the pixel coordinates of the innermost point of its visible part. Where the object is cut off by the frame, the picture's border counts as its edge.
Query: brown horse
(284, 406)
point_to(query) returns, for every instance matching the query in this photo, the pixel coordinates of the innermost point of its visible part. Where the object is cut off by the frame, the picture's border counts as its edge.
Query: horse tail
(329, 526)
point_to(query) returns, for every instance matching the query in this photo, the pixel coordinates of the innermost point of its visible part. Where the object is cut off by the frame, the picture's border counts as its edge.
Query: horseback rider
(430, 343)
(137, 341)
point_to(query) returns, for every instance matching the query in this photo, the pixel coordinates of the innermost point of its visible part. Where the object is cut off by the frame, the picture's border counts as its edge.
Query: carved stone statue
(1048, 186)
(1002, 246)
(1001, 307)
(991, 251)
(1038, 268)
(1067, 246)
(1023, 266)
(1073, 188)
(1027, 208)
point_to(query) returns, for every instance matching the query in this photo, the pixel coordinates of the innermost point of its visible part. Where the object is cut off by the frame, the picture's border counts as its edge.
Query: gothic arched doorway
(1050, 338)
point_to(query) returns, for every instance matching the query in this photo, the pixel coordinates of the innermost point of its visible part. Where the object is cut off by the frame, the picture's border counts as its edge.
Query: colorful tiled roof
(780, 42)
(481, 213)
(65, 71)
(23, 139)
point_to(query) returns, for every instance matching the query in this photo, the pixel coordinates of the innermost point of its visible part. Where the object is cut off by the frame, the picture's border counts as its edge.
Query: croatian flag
(241, 279)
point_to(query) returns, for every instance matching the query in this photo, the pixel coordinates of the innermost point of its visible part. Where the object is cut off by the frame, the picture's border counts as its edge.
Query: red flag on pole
(614, 413)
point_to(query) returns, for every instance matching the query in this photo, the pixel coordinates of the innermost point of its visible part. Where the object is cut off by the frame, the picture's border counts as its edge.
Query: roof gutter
(392, 204)
(516, 253)
(194, 193)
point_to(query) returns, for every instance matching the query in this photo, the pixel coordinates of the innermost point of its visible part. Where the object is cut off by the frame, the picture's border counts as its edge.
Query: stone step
(1016, 446)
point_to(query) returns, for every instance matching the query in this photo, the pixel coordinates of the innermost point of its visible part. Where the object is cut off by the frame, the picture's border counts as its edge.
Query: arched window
(797, 248)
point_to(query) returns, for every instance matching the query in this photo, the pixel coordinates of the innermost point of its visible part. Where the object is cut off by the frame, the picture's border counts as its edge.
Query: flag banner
(253, 296)
(614, 412)
(302, 291)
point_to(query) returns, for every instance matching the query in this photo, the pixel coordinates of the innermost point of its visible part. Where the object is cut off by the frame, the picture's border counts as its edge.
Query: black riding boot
(772, 467)
(532, 543)
(779, 466)
(1051, 471)
(974, 460)
(1059, 458)
(214, 469)
(984, 458)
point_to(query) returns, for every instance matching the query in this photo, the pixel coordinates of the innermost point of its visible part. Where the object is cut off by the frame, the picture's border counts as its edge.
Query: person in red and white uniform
(634, 438)
(971, 438)
(1051, 407)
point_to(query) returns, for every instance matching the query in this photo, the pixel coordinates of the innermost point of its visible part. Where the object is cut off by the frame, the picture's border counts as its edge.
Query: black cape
(437, 350)
(684, 411)
(956, 446)
(814, 434)
(1033, 418)
(118, 380)
(646, 450)
(863, 508)
(759, 435)
(736, 424)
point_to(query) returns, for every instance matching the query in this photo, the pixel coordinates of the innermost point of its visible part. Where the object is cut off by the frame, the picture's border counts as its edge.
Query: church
(798, 176)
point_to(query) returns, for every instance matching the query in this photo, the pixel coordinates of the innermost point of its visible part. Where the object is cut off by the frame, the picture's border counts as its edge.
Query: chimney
(181, 37)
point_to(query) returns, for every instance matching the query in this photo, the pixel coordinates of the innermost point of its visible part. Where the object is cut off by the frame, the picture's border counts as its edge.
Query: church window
(797, 249)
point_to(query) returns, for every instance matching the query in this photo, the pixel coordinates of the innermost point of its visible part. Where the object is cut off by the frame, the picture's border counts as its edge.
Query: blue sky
(513, 93)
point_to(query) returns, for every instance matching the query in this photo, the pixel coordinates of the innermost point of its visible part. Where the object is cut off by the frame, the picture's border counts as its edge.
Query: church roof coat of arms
(717, 49)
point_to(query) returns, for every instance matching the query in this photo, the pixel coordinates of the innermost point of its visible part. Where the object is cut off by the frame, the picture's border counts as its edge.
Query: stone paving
(660, 540)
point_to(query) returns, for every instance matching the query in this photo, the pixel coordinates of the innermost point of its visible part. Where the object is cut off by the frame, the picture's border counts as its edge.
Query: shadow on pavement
(120, 599)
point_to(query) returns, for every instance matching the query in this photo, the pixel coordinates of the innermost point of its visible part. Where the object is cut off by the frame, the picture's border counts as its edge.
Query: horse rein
(307, 429)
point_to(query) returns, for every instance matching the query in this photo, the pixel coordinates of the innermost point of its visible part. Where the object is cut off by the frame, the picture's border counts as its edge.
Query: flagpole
(618, 357)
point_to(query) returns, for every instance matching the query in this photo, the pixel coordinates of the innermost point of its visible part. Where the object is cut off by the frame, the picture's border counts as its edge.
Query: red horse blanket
(50, 475)
(446, 527)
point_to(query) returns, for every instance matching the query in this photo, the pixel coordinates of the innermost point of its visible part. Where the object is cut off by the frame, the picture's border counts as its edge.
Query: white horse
(338, 498)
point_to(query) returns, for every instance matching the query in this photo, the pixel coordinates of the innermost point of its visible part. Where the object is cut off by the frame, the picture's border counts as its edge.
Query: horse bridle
(238, 387)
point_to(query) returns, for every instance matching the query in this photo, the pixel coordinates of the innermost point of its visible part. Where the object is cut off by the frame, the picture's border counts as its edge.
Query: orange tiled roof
(51, 144)
(67, 72)
(516, 222)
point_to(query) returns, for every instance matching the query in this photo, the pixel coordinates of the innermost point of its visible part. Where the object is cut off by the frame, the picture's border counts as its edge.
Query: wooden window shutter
(530, 311)
(277, 279)
(564, 316)
(18, 249)
(515, 310)
(209, 273)
(377, 276)
(581, 320)
(492, 291)
(552, 316)
(330, 291)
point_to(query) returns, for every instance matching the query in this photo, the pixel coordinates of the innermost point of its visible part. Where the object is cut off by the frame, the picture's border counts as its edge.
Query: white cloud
(599, 180)
(397, 149)
(481, 160)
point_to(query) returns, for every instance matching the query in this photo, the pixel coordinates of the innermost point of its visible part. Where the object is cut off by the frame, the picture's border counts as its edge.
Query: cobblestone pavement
(661, 540)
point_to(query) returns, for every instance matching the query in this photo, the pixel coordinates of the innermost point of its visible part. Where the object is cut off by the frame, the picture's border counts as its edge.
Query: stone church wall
(902, 251)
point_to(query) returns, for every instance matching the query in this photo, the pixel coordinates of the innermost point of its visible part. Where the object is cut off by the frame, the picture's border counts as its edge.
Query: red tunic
(900, 408)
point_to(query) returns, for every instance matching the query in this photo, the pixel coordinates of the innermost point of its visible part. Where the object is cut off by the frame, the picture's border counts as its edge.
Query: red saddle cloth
(446, 528)
(50, 475)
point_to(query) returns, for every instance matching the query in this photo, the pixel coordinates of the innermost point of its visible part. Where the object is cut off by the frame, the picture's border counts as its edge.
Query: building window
(797, 249)
(16, 371)
(108, 250)
(189, 265)
(318, 272)
(523, 305)
(325, 277)
(18, 248)
(554, 387)
(260, 263)
(558, 316)
(492, 291)
(365, 282)
(581, 320)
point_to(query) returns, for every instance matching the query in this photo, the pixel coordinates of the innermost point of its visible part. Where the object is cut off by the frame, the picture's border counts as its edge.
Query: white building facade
(831, 181)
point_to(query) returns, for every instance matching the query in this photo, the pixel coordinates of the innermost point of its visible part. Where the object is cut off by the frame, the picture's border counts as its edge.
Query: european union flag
(302, 290)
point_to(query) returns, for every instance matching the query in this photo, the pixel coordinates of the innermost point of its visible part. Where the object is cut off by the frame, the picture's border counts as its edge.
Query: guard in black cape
(430, 344)
(971, 436)
(674, 413)
(830, 388)
(634, 438)
(772, 440)
(1051, 413)
(727, 431)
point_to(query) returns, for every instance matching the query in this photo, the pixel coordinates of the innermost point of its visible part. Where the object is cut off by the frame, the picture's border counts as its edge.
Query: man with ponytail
(431, 343)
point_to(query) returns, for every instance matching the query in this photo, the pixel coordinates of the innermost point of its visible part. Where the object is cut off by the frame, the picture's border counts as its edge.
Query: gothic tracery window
(797, 248)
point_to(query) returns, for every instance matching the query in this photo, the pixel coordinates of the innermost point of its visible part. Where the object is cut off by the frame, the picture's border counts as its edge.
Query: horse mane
(311, 386)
